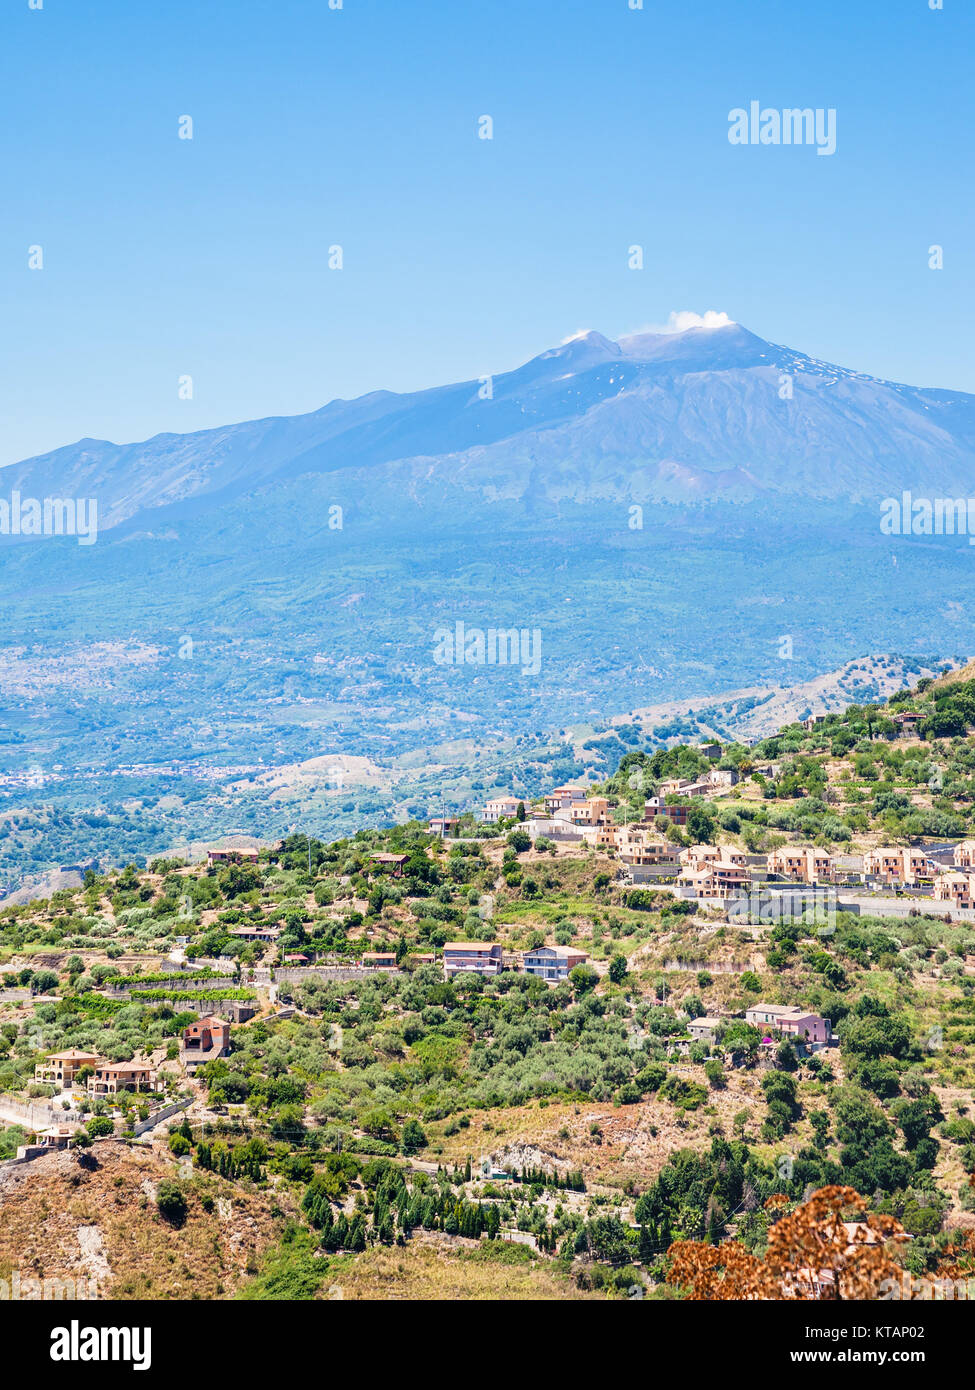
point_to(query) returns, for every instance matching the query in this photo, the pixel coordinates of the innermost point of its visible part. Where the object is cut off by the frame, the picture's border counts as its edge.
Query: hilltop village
(554, 1045)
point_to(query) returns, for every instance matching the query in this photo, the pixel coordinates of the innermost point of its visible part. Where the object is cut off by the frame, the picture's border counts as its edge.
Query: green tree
(413, 1138)
(171, 1201)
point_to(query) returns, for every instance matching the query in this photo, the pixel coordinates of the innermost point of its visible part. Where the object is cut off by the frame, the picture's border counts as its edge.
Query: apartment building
(898, 867)
(801, 863)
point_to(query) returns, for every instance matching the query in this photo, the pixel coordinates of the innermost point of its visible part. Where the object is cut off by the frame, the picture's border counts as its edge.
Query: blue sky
(313, 127)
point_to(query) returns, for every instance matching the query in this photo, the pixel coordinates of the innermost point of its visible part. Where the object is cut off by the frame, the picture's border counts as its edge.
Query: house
(267, 933)
(676, 786)
(812, 722)
(501, 808)
(804, 865)
(964, 855)
(790, 1021)
(61, 1068)
(717, 879)
(553, 962)
(711, 751)
(848, 867)
(642, 846)
(697, 856)
(426, 958)
(562, 797)
(898, 867)
(232, 856)
(204, 1040)
(595, 811)
(704, 1029)
(388, 863)
(57, 1137)
(443, 825)
(720, 777)
(956, 888)
(555, 827)
(602, 836)
(238, 1010)
(379, 960)
(907, 722)
(112, 1077)
(481, 957)
(675, 811)
(818, 1285)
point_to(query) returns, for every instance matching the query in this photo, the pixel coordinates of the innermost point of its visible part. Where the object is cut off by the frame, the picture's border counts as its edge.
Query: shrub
(171, 1201)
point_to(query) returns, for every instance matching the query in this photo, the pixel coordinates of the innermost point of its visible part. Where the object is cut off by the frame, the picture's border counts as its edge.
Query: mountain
(255, 639)
(703, 415)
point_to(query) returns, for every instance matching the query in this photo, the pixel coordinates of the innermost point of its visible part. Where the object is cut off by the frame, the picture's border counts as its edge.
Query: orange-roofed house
(61, 1068)
(697, 856)
(955, 888)
(232, 856)
(389, 863)
(203, 1041)
(896, 866)
(379, 960)
(804, 864)
(112, 1077)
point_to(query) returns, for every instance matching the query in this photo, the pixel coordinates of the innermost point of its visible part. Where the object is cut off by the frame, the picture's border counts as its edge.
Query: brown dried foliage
(811, 1255)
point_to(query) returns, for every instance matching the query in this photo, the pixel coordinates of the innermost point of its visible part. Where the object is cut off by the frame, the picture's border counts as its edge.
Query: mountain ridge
(707, 413)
